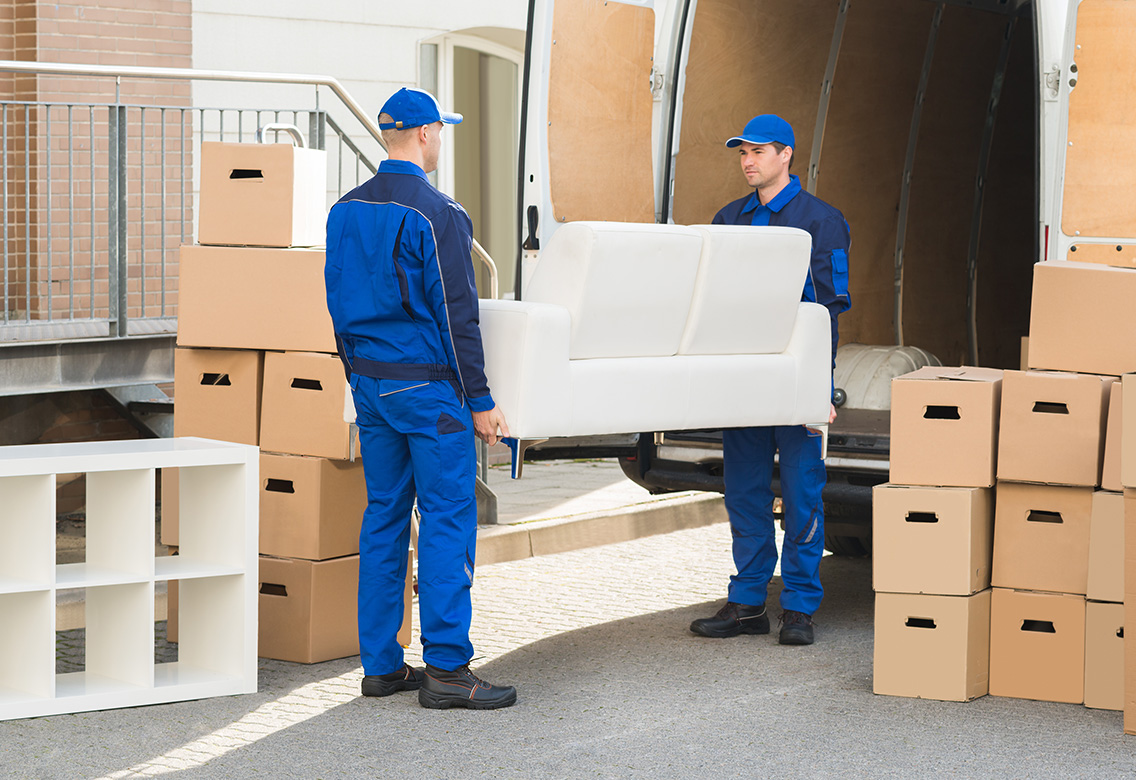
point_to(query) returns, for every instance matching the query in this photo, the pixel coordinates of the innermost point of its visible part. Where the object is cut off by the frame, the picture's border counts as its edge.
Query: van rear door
(1096, 217)
(586, 117)
(586, 130)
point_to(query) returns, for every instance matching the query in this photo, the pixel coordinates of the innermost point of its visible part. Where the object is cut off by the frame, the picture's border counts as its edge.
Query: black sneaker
(733, 619)
(405, 679)
(462, 688)
(796, 628)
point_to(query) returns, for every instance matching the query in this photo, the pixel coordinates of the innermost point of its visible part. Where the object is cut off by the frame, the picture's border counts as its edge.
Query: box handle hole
(246, 173)
(271, 589)
(220, 380)
(914, 622)
(307, 384)
(1041, 516)
(941, 413)
(1040, 626)
(922, 517)
(280, 485)
(1050, 407)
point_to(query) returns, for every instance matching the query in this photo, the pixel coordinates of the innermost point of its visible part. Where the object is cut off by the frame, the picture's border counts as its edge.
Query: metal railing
(96, 198)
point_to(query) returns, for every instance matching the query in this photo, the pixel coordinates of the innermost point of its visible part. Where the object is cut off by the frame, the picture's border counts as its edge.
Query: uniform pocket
(840, 272)
(448, 424)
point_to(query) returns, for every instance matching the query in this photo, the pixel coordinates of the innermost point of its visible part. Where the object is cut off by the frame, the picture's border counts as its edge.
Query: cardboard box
(1052, 427)
(1081, 318)
(172, 611)
(1110, 471)
(932, 647)
(944, 426)
(1037, 645)
(262, 195)
(1129, 609)
(1128, 431)
(1129, 671)
(931, 539)
(1106, 548)
(310, 507)
(1104, 655)
(302, 407)
(171, 509)
(1041, 537)
(309, 609)
(217, 394)
(250, 298)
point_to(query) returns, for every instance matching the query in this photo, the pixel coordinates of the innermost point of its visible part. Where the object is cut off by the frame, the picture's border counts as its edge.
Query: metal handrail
(193, 74)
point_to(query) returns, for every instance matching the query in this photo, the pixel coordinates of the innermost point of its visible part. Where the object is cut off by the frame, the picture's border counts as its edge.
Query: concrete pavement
(611, 684)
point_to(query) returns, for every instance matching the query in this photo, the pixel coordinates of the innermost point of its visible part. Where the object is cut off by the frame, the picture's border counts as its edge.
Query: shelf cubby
(216, 571)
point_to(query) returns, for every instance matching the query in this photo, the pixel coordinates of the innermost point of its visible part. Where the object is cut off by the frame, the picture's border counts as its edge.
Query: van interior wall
(1009, 244)
(948, 150)
(746, 58)
(769, 56)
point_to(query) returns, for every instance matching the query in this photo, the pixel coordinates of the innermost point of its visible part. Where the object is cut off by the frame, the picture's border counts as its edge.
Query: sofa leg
(517, 449)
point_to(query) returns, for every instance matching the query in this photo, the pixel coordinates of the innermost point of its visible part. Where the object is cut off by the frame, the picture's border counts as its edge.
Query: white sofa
(639, 327)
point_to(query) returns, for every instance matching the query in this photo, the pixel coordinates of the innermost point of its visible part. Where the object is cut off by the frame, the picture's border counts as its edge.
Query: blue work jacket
(399, 277)
(827, 282)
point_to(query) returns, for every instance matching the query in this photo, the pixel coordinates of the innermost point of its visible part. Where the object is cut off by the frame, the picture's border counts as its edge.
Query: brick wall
(54, 198)
(57, 157)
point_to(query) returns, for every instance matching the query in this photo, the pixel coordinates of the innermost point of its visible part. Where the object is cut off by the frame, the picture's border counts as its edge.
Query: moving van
(964, 141)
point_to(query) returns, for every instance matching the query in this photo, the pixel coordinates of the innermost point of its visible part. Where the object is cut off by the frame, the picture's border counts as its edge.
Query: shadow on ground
(642, 697)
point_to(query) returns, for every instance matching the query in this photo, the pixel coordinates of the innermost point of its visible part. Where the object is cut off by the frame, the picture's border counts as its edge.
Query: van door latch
(1053, 81)
(657, 81)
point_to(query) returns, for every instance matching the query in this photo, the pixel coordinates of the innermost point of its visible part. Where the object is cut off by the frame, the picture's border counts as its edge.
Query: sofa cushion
(626, 286)
(747, 290)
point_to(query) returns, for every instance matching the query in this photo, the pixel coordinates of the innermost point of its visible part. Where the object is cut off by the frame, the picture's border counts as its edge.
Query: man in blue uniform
(400, 289)
(766, 149)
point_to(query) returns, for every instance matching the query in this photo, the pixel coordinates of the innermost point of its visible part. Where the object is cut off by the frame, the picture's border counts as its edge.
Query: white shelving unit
(216, 569)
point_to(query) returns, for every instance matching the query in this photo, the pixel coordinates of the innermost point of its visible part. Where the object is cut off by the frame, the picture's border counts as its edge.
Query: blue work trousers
(417, 442)
(748, 454)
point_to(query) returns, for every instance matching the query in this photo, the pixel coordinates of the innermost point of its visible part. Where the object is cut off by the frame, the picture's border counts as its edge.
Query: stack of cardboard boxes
(1049, 467)
(1030, 460)
(256, 364)
(1082, 319)
(933, 533)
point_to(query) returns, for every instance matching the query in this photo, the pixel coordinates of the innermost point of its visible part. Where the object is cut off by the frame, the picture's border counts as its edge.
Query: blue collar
(401, 166)
(787, 193)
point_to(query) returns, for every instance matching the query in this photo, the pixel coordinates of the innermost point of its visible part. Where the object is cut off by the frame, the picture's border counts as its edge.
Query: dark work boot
(462, 688)
(733, 619)
(796, 628)
(405, 679)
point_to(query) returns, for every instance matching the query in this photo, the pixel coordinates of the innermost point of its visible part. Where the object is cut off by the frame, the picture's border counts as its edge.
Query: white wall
(370, 46)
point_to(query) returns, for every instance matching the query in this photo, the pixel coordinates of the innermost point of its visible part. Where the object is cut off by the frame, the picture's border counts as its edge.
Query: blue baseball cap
(765, 129)
(411, 107)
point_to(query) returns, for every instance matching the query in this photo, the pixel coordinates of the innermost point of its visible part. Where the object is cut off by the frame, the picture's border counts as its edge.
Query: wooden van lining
(599, 112)
(754, 57)
(746, 58)
(865, 147)
(1100, 174)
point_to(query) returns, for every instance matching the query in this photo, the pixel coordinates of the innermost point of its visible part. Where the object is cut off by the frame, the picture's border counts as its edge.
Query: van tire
(848, 546)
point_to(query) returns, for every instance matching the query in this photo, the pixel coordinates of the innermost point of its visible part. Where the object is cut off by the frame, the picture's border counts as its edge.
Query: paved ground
(611, 685)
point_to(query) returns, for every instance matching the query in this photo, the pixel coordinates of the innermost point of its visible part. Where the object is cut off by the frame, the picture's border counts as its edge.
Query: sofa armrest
(811, 346)
(526, 362)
